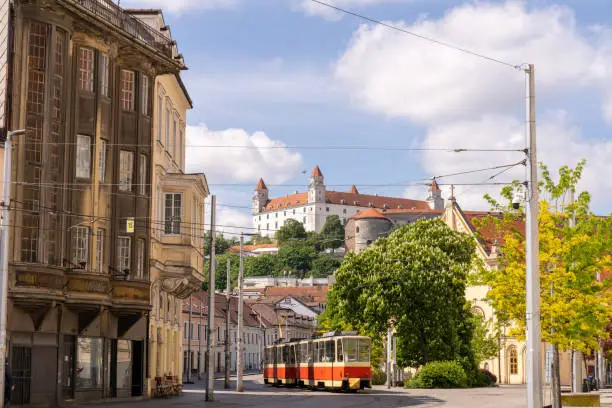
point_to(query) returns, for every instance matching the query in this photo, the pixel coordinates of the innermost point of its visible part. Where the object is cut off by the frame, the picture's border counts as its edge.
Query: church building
(313, 206)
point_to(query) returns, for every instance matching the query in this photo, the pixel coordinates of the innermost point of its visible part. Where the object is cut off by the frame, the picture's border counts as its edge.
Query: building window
(513, 361)
(144, 95)
(174, 137)
(104, 75)
(181, 147)
(123, 253)
(86, 69)
(344, 211)
(127, 90)
(172, 213)
(83, 156)
(142, 175)
(357, 230)
(80, 241)
(167, 125)
(100, 236)
(304, 220)
(126, 168)
(89, 363)
(327, 209)
(140, 259)
(102, 161)
(160, 114)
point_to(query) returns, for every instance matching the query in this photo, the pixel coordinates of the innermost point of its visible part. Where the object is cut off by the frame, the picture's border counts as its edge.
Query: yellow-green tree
(574, 247)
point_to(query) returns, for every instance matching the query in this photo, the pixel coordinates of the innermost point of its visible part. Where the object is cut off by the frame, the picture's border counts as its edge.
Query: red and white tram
(333, 361)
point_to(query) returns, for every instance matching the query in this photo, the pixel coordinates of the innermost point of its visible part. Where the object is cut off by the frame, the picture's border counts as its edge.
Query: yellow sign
(129, 227)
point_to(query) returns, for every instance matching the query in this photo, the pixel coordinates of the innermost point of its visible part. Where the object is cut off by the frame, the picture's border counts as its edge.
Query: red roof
(411, 211)
(308, 294)
(491, 234)
(354, 190)
(317, 172)
(261, 185)
(369, 213)
(292, 200)
(251, 248)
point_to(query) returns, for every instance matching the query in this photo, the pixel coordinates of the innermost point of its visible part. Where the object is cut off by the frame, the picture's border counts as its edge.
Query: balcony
(114, 15)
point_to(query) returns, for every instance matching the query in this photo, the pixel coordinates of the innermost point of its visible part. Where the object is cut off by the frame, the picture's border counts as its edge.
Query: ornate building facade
(312, 207)
(83, 75)
(177, 228)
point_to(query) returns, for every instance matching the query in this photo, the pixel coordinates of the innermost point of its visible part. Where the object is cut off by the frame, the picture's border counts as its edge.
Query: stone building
(312, 207)
(177, 229)
(82, 80)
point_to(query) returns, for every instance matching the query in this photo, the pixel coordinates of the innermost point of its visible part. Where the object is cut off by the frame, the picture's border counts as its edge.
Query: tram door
(277, 358)
(310, 354)
(295, 349)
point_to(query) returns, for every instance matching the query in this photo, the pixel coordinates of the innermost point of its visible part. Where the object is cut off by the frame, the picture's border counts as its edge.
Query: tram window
(279, 355)
(364, 350)
(329, 351)
(292, 354)
(340, 357)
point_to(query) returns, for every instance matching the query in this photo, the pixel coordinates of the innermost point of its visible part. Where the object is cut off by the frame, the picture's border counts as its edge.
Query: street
(258, 395)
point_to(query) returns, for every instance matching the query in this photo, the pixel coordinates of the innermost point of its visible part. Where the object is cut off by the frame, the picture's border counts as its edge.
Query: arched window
(513, 361)
(477, 311)
(161, 305)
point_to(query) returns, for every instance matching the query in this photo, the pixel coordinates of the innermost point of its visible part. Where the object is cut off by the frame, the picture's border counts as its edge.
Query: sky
(280, 74)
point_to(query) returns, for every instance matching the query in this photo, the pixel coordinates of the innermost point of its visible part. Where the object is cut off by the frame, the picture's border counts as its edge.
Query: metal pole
(389, 334)
(189, 335)
(228, 360)
(534, 368)
(210, 347)
(4, 250)
(200, 337)
(240, 351)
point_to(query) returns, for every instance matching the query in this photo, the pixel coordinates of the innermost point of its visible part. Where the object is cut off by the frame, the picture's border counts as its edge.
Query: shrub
(379, 377)
(440, 374)
(483, 378)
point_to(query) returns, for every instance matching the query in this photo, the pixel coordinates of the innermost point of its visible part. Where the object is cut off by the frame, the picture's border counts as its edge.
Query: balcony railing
(115, 15)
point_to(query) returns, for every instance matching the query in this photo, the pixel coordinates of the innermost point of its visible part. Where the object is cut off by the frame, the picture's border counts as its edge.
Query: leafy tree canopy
(417, 278)
(324, 265)
(332, 234)
(292, 230)
(222, 244)
(296, 257)
(263, 265)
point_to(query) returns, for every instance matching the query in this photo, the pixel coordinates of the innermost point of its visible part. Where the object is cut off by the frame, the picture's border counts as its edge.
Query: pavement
(256, 394)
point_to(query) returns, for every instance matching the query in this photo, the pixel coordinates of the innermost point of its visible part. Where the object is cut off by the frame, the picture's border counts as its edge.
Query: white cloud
(312, 8)
(175, 6)
(275, 165)
(230, 221)
(463, 101)
(398, 75)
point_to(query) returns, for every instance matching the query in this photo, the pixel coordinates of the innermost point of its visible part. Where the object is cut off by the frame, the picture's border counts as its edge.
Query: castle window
(344, 211)
(327, 209)
(357, 230)
(285, 213)
(293, 211)
(268, 216)
(304, 220)
(276, 215)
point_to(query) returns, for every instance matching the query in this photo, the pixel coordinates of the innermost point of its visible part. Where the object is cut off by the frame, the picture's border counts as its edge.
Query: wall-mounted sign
(129, 226)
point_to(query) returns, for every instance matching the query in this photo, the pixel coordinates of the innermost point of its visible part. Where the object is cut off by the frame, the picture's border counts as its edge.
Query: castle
(311, 208)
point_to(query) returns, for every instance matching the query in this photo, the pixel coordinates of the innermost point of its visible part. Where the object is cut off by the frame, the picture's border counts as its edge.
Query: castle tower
(260, 197)
(434, 198)
(316, 188)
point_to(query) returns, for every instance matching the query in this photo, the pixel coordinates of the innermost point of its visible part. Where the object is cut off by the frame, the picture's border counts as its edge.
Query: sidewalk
(605, 395)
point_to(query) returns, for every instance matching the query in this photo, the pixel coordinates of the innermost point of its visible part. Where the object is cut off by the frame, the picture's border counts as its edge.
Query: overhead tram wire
(422, 37)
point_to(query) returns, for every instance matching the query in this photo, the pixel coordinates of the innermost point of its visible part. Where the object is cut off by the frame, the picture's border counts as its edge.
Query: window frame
(145, 88)
(126, 184)
(102, 160)
(83, 152)
(128, 248)
(127, 97)
(80, 253)
(142, 174)
(140, 259)
(513, 361)
(104, 75)
(100, 241)
(86, 69)
(171, 225)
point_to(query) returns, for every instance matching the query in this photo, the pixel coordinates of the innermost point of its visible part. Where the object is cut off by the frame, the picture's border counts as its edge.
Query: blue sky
(299, 75)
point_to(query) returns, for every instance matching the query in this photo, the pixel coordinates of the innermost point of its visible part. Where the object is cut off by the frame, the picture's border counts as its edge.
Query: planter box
(580, 400)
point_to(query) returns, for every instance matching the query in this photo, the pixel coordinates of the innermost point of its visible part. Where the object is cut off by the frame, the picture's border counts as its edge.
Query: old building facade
(177, 227)
(79, 284)
(311, 208)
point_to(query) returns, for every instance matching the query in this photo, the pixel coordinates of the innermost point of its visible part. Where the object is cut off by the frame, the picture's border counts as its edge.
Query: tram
(335, 361)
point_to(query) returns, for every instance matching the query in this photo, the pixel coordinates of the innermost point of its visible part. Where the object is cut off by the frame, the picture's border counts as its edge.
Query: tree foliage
(221, 270)
(296, 257)
(485, 339)
(262, 265)
(332, 234)
(222, 244)
(323, 266)
(417, 278)
(292, 230)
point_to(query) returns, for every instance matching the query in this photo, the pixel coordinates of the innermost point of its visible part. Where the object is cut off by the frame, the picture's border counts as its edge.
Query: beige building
(177, 226)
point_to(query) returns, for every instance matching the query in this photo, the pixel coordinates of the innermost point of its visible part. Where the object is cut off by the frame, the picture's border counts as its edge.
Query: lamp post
(4, 248)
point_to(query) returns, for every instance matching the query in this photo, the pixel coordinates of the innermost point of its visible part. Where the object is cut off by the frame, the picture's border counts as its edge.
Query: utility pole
(200, 338)
(389, 342)
(189, 335)
(210, 348)
(228, 360)
(534, 369)
(4, 248)
(576, 355)
(240, 351)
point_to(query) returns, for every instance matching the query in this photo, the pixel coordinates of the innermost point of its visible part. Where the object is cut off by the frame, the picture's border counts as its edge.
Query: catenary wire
(422, 37)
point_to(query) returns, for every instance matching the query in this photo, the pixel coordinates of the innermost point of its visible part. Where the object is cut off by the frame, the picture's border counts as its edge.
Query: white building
(312, 208)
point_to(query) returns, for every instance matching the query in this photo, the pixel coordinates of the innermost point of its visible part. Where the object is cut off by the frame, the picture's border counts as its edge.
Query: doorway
(21, 368)
(137, 368)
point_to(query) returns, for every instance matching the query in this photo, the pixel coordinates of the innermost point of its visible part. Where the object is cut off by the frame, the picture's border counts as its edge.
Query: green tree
(263, 265)
(292, 230)
(296, 257)
(324, 265)
(416, 277)
(485, 339)
(221, 270)
(574, 306)
(222, 244)
(332, 234)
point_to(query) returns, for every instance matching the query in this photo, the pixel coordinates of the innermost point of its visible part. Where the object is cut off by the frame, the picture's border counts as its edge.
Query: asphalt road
(257, 394)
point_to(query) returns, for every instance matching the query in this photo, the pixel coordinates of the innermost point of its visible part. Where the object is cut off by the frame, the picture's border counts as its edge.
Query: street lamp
(4, 249)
